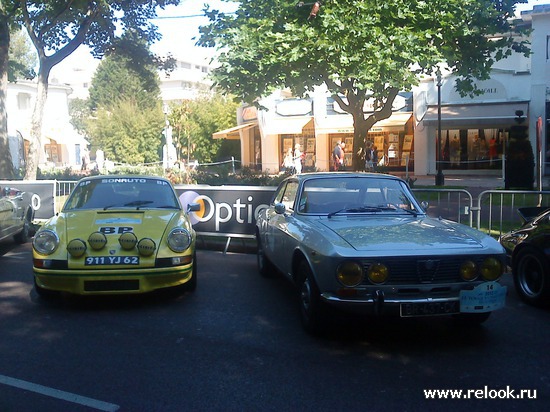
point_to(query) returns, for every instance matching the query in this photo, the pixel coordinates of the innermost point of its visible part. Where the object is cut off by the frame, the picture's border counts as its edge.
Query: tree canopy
(194, 122)
(128, 119)
(57, 28)
(358, 49)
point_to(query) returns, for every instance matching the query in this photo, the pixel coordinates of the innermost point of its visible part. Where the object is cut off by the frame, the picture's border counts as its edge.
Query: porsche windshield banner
(225, 210)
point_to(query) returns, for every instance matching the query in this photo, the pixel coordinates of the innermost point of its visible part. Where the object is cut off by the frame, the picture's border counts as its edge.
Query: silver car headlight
(179, 240)
(349, 274)
(46, 242)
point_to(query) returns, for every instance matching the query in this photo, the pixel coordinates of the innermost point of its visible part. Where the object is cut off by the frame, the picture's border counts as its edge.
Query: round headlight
(76, 247)
(127, 241)
(349, 274)
(146, 246)
(378, 273)
(468, 270)
(179, 239)
(45, 242)
(491, 269)
(97, 240)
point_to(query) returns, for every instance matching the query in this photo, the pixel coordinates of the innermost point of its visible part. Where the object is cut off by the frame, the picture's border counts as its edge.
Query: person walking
(297, 158)
(337, 156)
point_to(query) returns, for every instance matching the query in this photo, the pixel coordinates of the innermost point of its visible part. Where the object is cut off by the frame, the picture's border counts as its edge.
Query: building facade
(474, 131)
(62, 145)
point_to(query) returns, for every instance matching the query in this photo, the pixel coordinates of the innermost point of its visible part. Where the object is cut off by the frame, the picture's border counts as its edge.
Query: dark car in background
(528, 252)
(16, 214)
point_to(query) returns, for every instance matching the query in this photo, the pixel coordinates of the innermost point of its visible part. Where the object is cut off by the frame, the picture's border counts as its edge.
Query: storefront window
(307, 147)
(468, 149)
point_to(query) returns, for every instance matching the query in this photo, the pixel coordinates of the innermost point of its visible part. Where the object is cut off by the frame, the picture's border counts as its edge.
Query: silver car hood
(404, 234)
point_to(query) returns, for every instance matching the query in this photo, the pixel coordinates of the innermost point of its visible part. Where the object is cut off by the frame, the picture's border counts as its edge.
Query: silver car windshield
(351, 195)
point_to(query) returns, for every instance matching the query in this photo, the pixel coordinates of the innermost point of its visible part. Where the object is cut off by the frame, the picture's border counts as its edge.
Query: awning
(396, 122)
(286, 125)
(233, 133)
(494, 114)
(397, 119)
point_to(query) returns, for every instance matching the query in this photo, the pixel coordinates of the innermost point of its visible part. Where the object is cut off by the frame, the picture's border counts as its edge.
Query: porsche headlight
(491, 269)
(127, 241)
(349, 274)
(45, 242)
(76, 248)
(468, 270)
(179, 240)
(146, 246)
(97, 241)
(378, 273)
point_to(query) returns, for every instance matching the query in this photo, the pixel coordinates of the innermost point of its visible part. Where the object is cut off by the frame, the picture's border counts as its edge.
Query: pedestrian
(288, 161)
(297, 158)
(368, 158)
(337, 156)
(374, 158)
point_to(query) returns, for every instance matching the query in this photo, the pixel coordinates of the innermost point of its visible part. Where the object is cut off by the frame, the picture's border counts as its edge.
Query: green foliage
(194, 122)
(128, 133)
(118, 78)
(79, 112)
(358, 49)
(22, 57)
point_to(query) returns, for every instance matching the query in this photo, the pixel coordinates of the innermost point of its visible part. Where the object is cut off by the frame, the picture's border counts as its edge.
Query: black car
(528, 251)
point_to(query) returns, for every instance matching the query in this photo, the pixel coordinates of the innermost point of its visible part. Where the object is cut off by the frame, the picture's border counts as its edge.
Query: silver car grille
(423, 269)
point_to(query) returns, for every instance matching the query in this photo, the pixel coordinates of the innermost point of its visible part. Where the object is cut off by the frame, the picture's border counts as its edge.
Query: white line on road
(56, 393)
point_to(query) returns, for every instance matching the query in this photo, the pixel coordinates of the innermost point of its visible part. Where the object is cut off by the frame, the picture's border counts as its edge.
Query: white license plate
(486, 297)
(429, 308)
(111, 260)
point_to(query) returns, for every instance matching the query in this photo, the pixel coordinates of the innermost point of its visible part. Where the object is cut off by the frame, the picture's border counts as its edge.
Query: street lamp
(439, 178)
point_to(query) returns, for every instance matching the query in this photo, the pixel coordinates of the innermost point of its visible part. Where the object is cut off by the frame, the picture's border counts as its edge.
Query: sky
(179, 25)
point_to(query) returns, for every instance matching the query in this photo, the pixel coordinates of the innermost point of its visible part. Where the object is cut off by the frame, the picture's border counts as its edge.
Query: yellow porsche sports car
(116, 235)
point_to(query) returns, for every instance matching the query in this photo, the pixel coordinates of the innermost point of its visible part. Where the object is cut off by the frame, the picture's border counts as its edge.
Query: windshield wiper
(360, 209)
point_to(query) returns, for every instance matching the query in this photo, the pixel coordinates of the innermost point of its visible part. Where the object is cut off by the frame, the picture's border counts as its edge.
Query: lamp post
(439, 178)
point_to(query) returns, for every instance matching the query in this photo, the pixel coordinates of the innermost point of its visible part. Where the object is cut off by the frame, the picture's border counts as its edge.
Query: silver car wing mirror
(280, 208)
(193, 207)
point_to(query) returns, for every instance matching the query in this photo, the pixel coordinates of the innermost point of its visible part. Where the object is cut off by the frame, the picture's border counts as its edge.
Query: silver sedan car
(362, 242)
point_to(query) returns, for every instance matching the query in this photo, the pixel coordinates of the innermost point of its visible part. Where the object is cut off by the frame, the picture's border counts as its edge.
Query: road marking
(56, 393)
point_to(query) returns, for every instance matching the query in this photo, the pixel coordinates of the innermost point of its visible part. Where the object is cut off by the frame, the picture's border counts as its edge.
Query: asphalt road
(236, 344)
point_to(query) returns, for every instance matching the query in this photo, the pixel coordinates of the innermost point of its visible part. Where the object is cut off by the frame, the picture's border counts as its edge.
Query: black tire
(472, 319)
(312, 309)
(265, 267)
(532, 277)
(23, 236)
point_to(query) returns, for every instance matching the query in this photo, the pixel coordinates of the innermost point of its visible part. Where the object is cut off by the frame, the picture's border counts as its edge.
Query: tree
(193, 123)
(125, 100)
(360, 50)
(57, 28)
(128, 133)
(21, 64)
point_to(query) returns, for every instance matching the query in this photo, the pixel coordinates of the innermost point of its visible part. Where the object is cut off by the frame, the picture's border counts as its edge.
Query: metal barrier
(452, 204)
(496, 210)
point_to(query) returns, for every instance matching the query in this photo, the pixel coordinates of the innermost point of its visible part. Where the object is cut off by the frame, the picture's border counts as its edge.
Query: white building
(62, 144)
(406, 141)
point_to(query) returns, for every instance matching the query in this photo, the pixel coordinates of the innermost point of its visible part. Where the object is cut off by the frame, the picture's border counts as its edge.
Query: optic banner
(225, 210)
(43, 195)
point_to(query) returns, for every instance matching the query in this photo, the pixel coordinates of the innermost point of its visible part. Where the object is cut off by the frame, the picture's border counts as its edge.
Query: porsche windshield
(111, 193)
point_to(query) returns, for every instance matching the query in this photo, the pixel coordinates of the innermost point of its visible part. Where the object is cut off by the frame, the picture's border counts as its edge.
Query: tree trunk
(35, 144)
(6, 165)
